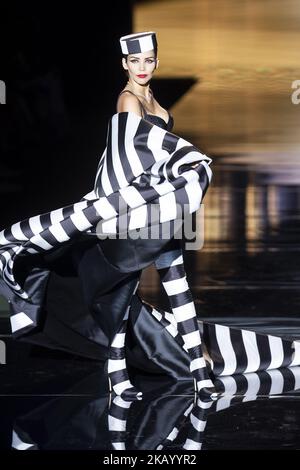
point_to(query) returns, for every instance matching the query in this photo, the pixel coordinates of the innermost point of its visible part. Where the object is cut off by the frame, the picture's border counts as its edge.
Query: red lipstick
(142, 75)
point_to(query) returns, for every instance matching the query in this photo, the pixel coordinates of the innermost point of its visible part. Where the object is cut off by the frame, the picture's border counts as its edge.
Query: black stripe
(45, 220)
(140, 140)
(172, 273)
(263, 351)
(178, 300)
(169, 142)
(289, 380)
(288, 352)
(265, 383)
(123, 119)
(110, 169)
(212, 346)
(26, 229)
(237, 342)
(241, 384)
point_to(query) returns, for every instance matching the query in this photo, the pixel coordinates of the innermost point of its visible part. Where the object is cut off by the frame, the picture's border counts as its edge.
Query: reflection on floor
(85, 417)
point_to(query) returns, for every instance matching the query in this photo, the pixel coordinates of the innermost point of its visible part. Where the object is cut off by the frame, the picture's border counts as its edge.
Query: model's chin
(143, 81)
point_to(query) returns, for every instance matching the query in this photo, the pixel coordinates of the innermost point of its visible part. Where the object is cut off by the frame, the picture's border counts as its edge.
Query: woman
(137, 97)
(143, 167)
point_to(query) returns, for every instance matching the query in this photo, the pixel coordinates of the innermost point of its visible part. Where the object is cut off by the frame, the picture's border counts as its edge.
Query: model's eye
(150, 61)
(133, 61)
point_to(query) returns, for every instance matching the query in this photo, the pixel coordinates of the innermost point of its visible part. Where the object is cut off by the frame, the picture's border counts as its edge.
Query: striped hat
(138, 42)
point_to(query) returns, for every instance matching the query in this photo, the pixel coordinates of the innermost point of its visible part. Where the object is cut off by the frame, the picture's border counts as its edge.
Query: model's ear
(157, 62)
(124, 63)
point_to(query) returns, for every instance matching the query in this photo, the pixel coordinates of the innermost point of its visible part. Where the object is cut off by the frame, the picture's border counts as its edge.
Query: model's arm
(129, 103)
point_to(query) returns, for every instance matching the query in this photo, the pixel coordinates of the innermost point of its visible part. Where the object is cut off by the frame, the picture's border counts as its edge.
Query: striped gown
(142, 167)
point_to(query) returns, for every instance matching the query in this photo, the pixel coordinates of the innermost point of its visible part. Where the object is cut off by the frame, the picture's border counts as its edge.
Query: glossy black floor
(55, 400)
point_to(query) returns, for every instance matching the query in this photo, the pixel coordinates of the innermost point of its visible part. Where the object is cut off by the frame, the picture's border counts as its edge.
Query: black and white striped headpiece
(138, 42)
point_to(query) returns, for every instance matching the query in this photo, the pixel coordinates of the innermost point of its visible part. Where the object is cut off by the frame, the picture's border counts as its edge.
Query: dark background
(62, 69)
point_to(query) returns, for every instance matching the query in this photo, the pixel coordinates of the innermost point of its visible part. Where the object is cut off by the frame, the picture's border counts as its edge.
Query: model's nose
(142, 67)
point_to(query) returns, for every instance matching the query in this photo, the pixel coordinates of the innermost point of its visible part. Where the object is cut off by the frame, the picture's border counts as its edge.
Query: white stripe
(104, 208)
(118, 341)
(107, 226)
(119, 445)
(132, 196)
(80, 221)
(173, 434)
(18, 444)
(184, 312)
(192, 339)
(198, 363)
(35, 224)
(172, 330)
(155, 142)
(250, 343)
(204, 383)
(17, 232)
(122, 403)
(194, 193)
(170, 318)
(198, 424)
(192, 445)
(116, 364)
(138, 217)
(230, 386)
(3, 240)
(277, 355)
(254, 384)
(223, 403)
(168, 207)
(59, 233)
(56, 216)
(226, 349)
(178, 260)
(116, 424)
(156, 314)
(120, 387)
(19, 320)
(277, 382)
(176, 286)
(39, 241)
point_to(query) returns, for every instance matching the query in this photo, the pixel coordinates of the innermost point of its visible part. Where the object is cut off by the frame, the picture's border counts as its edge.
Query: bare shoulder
(127, 102)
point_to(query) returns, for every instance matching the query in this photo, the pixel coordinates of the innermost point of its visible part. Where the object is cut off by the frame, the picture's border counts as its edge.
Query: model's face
(140, 66)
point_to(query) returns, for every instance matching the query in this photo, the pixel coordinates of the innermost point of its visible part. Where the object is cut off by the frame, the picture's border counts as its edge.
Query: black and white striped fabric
(231, 351)
(236, 350)
(143, 166)
(234, 390)
(172, 273)
(117, 367)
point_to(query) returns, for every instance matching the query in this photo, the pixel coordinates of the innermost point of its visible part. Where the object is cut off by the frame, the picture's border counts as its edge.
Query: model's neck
(142, 90)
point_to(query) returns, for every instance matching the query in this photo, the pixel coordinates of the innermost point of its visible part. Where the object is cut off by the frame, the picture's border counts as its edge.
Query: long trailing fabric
(142, 165)
(70, 289)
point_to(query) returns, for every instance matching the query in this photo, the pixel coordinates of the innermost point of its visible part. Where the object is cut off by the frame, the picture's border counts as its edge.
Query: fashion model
(144, 166)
